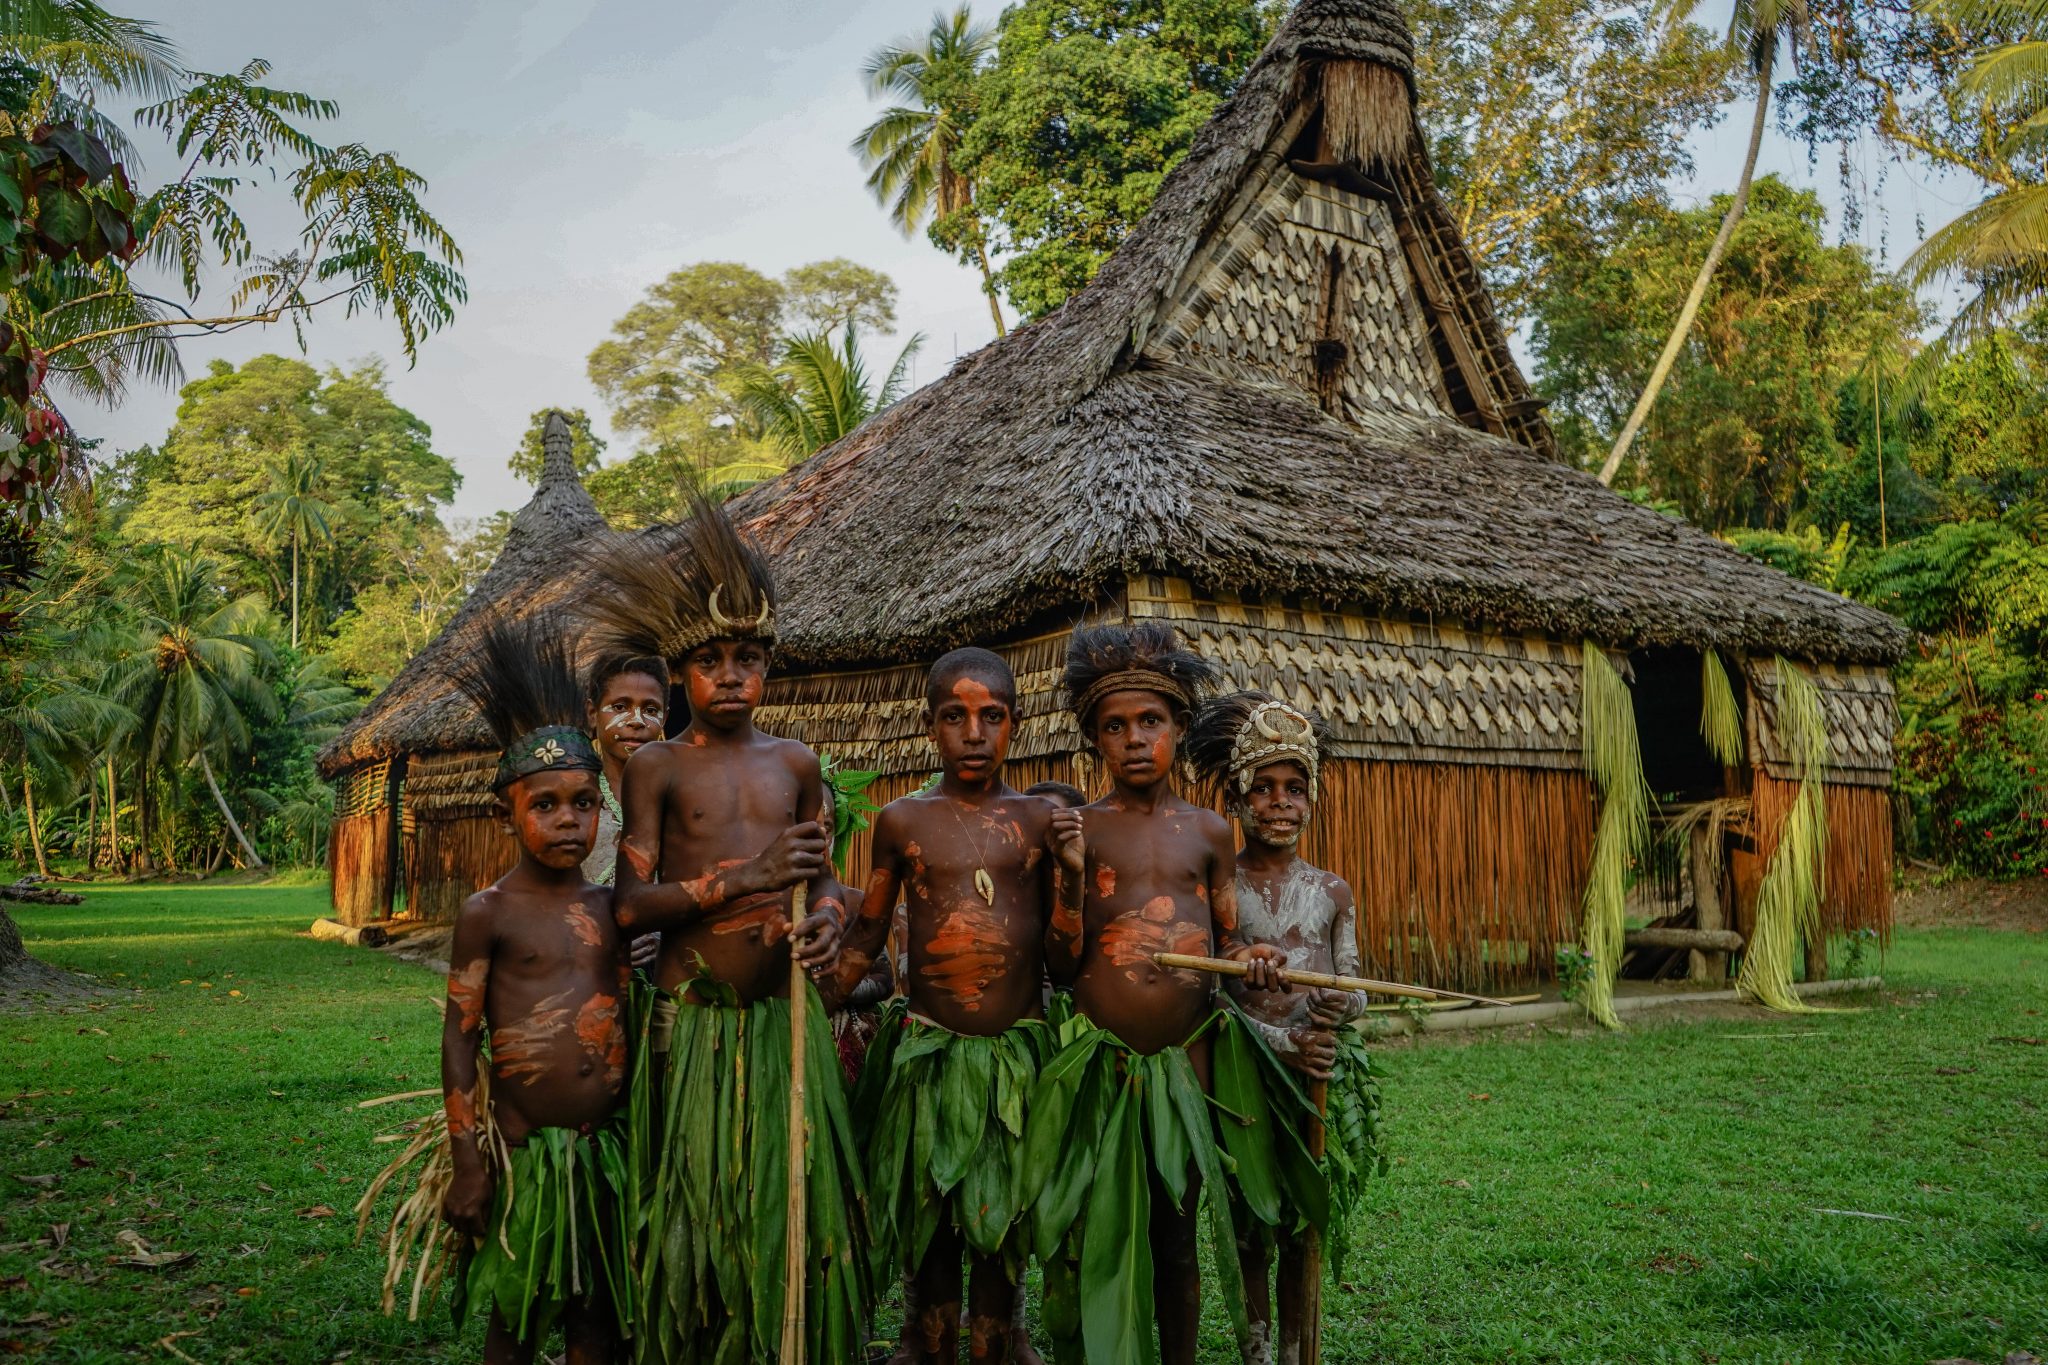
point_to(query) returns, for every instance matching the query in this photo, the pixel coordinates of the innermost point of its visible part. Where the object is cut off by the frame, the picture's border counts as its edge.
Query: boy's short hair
(619, 665)
(1065, 793)
(981, 664)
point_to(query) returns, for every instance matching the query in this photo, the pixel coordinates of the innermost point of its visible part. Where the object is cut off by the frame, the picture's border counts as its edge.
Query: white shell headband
(1272, 732)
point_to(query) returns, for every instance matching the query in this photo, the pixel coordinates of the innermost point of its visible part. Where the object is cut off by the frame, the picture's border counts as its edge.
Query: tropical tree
(819, 392)
(191, 675)
(292, 509)
(2000, 245)
(912, 150)
(1756, 29)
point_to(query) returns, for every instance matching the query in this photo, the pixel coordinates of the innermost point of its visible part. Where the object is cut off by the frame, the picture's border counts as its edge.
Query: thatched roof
(1054, 462)
(421, 712)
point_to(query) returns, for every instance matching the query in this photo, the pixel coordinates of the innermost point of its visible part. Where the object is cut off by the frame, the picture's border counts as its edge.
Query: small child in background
(628, 709)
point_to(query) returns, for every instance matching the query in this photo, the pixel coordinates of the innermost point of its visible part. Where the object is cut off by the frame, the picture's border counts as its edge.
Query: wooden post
(1709, 900)
(1312, 1242)
(1817, 955)
(796, 1225)
(394, 837)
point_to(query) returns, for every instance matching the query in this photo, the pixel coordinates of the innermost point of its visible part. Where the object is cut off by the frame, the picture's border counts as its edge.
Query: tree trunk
(255, 859)
(1683, 327)
(113, 820)
(988, 280)
(295, 589)
(145, 856)
(35, 835)
(12, 952)
(92, 826)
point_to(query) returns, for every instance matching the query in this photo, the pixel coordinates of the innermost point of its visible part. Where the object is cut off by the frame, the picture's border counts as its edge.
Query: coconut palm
(2000, 246)
(190, 676)
(1756, 29)
(910, 150)
(88, 55)
(821, 391)
(292, 509)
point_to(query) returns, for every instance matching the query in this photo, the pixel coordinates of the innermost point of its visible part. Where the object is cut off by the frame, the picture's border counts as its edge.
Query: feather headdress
(1236, 735)
(1146, 657)
(522, 676)
(670, 590)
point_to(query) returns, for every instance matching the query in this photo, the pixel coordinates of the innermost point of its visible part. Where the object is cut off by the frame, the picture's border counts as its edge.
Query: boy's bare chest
(715, 793)
(1132, 860)
(573, 940)
(945, 851)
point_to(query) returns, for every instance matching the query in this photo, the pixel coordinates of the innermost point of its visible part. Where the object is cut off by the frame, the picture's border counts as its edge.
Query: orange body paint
(466, 993)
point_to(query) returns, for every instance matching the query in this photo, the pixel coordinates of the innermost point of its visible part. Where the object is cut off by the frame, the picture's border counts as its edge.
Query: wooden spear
(1223, 966)
(1312, 1241)
(798, 1224)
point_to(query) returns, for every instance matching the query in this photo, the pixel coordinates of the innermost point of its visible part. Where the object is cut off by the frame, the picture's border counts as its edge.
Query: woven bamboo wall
(1862, 715)
(453, 845)
(1858, 873)
(359, 844)
(1308, 263)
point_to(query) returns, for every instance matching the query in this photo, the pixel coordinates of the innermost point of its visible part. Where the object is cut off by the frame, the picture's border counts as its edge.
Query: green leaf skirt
(944, 1114)
(558, 1233)
(1352, 1153)
(1106, 1125)
(714, 1176)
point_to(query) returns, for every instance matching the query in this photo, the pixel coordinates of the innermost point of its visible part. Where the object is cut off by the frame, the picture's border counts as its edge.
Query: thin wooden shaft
(798, 1224)
(1223, 966)
(1312, 1243)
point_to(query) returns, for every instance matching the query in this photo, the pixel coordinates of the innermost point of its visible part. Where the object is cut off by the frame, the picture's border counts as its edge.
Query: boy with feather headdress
(530, 1157)
(1121, 1136)
(721, 824)
(1264, 758)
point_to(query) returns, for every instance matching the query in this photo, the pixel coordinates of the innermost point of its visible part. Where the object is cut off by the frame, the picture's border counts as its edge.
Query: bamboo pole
(1312, 1241)
(1223, 966)
(796, 1226)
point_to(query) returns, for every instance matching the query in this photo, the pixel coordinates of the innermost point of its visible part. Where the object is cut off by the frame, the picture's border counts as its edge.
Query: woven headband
(1130, 680)
(550, 749)
(1272, 733)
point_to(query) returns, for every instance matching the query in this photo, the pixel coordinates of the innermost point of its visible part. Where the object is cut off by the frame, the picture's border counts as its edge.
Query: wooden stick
(1223, 966)
(797, 1225)
(1312, 1241)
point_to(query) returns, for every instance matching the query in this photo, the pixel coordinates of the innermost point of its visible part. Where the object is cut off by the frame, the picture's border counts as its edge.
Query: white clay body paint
(1300, 920)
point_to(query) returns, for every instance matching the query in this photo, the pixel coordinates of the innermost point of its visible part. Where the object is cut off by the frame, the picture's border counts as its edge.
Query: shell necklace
(983, 883)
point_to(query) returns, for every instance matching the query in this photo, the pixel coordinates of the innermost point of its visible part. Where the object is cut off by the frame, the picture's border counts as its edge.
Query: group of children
(1039, 1087)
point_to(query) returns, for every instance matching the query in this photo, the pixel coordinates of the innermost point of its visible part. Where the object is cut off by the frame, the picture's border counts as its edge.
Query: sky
(579, 150)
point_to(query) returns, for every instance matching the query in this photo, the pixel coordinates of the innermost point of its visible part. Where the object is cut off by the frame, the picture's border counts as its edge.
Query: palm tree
(820, 391)
(2000, 246)
(293, 509)
(191, 677)
(1755, 29)
(910, 150)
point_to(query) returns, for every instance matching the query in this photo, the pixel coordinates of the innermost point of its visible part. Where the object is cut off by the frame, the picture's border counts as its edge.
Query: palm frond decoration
(1720, 717)
(1613, 758)
(1788, 901)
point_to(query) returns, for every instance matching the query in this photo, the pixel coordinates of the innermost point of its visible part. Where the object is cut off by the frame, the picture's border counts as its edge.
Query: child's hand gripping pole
(797, 1225)
(1224, 966)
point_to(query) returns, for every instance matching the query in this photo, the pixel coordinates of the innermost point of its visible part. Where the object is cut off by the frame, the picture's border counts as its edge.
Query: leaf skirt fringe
(1106, 1125)
(715, 1181)
(1352, 1155)
(558, 1233)
(945, 1114)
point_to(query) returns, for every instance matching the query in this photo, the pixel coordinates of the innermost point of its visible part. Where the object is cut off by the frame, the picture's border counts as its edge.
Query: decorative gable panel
(1311, 289)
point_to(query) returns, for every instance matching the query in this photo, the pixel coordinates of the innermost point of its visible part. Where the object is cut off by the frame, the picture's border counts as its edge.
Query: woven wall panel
(1310, 261)
(362, 789)
(449, 786)
(1389, 688)
(1862, 716)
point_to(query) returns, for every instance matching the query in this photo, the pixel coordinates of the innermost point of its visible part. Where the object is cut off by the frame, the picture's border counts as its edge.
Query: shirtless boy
(1265, 758)
(537, 961)
(1158, 875)
(721, 825)
(960, 1053)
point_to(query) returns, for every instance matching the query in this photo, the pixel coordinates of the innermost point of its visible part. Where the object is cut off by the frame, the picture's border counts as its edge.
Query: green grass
(1648, 1196)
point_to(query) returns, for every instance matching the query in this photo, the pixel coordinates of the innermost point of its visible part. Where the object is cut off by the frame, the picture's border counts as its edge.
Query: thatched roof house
(1284, 416)
(412, 770)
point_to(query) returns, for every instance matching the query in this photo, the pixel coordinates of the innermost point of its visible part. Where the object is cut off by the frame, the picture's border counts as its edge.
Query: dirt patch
(1972, 903)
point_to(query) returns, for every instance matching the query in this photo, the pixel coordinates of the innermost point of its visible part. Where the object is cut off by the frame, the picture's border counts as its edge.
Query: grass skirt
(715, 1175)
(1106, 1123)
(558, 1232)
(944, 1115)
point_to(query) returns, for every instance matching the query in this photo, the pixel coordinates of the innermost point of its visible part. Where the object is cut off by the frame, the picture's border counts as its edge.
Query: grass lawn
(1658, 1195)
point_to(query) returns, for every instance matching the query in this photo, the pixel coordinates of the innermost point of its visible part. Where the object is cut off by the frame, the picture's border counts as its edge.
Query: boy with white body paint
(1266, 759)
